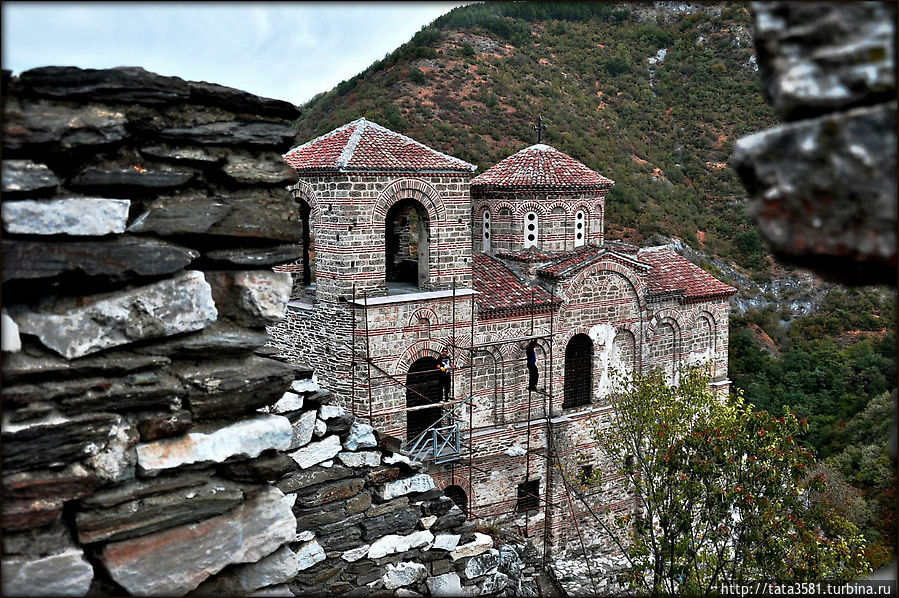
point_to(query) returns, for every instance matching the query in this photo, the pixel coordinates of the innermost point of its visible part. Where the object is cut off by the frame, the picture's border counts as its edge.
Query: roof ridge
(384, 129)
(350, 148)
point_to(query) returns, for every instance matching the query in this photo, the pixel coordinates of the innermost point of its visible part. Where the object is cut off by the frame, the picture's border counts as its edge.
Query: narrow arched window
(531, 230)
(580, 228)
(485, 231)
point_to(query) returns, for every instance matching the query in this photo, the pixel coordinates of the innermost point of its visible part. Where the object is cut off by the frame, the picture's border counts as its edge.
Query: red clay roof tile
(674, 274)
(540, 166)
(363, 145)
(502, 290)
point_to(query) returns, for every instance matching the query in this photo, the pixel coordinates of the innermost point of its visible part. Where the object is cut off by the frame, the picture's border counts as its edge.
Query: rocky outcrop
(150, 444)
(823, 183)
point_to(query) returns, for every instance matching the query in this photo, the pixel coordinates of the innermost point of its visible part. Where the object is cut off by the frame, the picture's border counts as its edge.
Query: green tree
(722, 491)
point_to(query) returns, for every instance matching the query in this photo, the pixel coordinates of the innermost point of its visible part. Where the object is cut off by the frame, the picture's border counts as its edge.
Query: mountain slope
(651, 95)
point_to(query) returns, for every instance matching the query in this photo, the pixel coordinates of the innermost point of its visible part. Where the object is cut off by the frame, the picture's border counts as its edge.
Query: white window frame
(531, 234)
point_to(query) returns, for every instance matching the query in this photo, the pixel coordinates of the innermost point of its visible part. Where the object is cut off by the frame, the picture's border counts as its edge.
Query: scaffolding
(444, 442)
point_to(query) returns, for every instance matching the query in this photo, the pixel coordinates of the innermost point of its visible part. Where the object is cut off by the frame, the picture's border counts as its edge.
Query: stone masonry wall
(151, 444)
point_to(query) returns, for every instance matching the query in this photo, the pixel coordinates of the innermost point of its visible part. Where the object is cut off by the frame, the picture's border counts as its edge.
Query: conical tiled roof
(363, 145)
(540, 166)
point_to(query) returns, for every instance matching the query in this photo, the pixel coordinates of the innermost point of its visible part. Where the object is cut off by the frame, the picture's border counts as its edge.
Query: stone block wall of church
(348, 221)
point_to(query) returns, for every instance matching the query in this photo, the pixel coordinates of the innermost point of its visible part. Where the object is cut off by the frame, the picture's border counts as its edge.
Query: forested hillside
(653, 96)
(651, 99)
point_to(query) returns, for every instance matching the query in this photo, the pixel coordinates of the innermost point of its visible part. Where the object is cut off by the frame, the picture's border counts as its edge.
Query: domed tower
(541, 198)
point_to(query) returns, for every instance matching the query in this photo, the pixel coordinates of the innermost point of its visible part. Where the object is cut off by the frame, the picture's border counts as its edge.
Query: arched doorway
(578, 371)
(422, 388)
(406, 243)
(458, 496)
(305, 212)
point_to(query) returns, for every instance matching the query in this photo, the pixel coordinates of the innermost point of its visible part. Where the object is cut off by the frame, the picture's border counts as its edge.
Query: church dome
(542, 167)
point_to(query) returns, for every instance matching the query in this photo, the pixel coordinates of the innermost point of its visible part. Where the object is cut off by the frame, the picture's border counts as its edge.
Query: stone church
(407, 252)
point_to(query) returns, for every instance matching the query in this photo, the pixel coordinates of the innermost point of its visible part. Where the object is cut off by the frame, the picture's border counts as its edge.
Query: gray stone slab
(179, 304)
(190, 554)
(76, 216)
(247, 438)
(67, 573)
(26, 175)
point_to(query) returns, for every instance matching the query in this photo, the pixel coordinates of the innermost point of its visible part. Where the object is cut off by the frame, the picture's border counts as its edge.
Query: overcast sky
(285, 50)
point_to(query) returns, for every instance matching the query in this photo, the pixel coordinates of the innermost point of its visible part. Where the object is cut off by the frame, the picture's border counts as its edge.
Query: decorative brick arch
(577, 282)
(529, 206)
(305, 191)
(429, 347)
(423, 313)
(416, 189)
(671, 315)
(499, 205)
(560, 203)
(445, 479)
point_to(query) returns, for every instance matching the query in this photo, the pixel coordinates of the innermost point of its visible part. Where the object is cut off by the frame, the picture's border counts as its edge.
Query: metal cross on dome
(539, 127)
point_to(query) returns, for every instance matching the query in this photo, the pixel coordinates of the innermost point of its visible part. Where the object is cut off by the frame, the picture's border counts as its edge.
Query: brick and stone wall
(151, 444)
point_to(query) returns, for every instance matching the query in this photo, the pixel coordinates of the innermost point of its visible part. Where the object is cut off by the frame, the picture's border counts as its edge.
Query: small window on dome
(485, 228)
(531, 230)
(580, 228)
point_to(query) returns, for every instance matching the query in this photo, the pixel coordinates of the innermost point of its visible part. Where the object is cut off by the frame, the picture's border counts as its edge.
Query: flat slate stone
(233, 132)
(253, 213)
(265, 468)
(418, 483)
(267, 168)
(123, 258)
(182, 303)
(824, 192)
(251, 297)
(816, 58)
(60, 441)
(230, 386)
(25, 175)
(135, 392)
(83, 216)
(48, 126)
(164, 425)
(236, 100)
(94, 178)
(238, 580)
(218, 338)
(120, 84)
(317, 452)
(247, 438)
(189, 554)
(329, 492)
(157, 512)
(185, 154)
(253, 256)
(139, 488)
(41, 366)
(312, 476)
(66, 573)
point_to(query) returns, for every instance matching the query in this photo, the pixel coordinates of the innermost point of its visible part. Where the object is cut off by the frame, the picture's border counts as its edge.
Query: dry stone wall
(151, 444)
(823, 183)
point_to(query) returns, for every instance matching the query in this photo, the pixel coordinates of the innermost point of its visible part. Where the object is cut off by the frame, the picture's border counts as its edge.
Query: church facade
(408, 253)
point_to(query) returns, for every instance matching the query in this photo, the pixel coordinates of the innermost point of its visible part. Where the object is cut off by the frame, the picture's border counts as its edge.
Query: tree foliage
(722, 493)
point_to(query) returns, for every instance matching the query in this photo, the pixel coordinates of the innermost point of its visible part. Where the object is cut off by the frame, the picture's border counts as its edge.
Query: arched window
(406, 243)
(580, 228)
(422, 388)
(485, 231)
(458, 496)
(531, 230)
(578, 371)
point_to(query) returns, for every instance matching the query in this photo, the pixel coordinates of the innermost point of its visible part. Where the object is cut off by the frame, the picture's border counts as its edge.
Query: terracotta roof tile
(501, 290)
(540, 166)
(672, 274)
(363, 145)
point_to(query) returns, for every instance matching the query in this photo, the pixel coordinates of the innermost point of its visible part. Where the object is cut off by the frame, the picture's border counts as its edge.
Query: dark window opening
(578, 371)
(528, 495)
(406, 243)
(585, 476)
(422, 388)
(458, 496)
